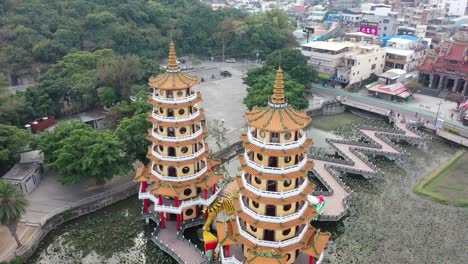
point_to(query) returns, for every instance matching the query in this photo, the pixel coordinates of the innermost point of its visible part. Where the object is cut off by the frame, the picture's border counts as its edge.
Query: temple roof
(278, 116)
(173, 78)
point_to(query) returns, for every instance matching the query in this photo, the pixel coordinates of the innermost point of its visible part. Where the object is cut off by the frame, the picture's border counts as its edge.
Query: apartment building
(452, 7)
(422, 15)
(386, 19)
(344, 63)
(404, 54)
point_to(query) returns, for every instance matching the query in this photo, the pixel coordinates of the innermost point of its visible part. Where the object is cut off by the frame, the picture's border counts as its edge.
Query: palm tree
(13, 205)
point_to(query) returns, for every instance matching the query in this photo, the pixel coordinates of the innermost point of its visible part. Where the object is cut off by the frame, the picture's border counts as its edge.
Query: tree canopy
(298, 75)
(261, 84)
(12, 140)
(42, 32)
(132, 133)
(76, 151)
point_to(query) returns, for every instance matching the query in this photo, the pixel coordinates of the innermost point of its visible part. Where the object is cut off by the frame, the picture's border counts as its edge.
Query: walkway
(180, 250)
(355, 161)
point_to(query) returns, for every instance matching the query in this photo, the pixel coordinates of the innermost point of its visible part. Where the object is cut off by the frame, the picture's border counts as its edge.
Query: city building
(344, 63)
(390, 86)
(26, 174)
(452, 7)
(352, 17)
(274, 208)
(179, 178)
(404, 53)
(422, 15)
(384, 17)
(343, 4)
(446, 67)
(317, 13)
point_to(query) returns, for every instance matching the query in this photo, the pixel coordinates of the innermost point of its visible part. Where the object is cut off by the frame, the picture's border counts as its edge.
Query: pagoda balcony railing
(275, 170)
(270, 145)
(179, 179)
(176, 139)
(175, 99)
(273, 219)
(178, 158)
(176, 118)
(273, 244)
(229, 260)
(270, 194)
(183, 205)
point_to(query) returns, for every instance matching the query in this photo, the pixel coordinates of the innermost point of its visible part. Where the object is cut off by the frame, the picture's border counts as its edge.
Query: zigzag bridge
(378, 141)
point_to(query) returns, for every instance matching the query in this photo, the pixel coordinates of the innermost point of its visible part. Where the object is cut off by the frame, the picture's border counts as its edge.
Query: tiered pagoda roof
(278, 117)
(175, 80)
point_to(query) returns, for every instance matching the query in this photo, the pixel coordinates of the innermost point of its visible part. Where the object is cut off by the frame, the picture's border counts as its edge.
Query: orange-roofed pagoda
(447, 66)
(179, 180)
(274, 208)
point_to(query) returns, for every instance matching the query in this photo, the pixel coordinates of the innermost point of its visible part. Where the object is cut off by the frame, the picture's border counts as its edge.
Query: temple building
(179, 179)
(273, 209)
(447, 66)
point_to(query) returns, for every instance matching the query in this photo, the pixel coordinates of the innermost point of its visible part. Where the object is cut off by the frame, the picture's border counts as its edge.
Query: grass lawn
(448, 183)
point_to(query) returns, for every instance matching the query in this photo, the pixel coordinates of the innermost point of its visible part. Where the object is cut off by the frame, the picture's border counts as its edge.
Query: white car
(231, 61)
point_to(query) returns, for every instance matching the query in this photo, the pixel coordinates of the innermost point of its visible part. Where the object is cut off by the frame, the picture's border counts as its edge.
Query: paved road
(403, 109)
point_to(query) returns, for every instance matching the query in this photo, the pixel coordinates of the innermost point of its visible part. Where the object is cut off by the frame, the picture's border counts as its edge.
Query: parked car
(181, 60)
(231, 61)
(225, 73)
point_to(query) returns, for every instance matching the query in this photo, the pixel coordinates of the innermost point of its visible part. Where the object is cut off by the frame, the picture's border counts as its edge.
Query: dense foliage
(76, 152)
(12, 108)
(92, 53)
(35, 32)
(297, 76)
(12, 140)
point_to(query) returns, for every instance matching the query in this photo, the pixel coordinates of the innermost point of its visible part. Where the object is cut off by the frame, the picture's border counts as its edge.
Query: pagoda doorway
(172, 172)
(273, 162)
(170, 132)
(269, 235)
(270, 210)
(171, 151)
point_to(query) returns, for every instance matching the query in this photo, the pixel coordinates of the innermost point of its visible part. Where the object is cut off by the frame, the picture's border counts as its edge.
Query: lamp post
(308, 30)
(437, 115)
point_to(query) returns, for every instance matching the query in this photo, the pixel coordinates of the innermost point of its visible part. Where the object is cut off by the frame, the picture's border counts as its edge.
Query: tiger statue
(224, 202)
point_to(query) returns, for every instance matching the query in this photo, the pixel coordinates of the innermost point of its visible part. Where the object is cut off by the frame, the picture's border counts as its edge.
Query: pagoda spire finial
(278, 90)
(172, 64)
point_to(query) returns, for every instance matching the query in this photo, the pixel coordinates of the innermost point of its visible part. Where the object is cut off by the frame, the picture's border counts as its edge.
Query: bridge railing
(325, 183)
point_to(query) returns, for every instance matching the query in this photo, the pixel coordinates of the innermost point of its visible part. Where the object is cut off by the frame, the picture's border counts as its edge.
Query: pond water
(387, 223)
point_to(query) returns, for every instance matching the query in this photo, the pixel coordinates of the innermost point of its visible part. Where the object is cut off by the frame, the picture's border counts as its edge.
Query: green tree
(49, 143)
(120, 73)
(12, 140)
(84, 153)
(294, 63)
(261, 88)
(132, 133)
(107, 96)
(13, 204)
(73, 80)
(414, 86)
